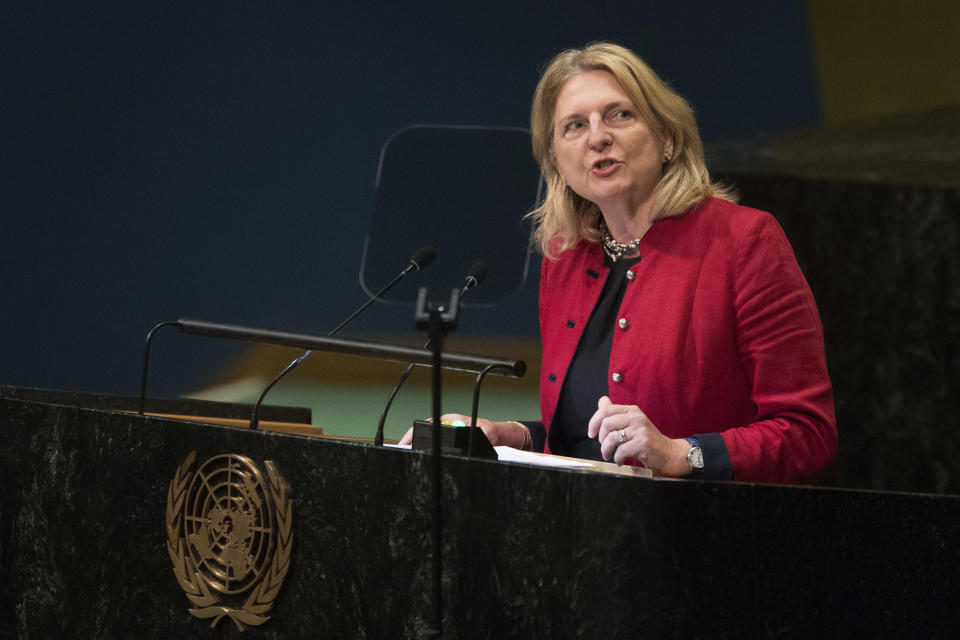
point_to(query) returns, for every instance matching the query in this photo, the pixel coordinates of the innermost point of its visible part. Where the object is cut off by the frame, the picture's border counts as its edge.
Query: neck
(626, 223)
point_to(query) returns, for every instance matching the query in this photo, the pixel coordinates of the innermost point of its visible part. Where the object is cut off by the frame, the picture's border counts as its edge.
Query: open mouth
(603, 165)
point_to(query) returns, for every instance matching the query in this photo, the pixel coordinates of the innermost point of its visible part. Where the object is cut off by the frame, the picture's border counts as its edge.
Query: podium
(529, 552)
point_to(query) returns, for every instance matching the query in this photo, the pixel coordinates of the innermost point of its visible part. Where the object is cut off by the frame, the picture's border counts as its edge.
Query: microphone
(475, 275)
(421, 259)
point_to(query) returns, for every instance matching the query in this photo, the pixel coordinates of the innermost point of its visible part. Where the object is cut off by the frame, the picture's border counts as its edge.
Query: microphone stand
(365, 348)
(438, 320)
(422, 258)
(476, 274)
(475, 409)
(146, 361)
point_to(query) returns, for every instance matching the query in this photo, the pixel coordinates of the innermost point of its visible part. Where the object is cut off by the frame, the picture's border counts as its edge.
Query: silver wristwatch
(695, 455)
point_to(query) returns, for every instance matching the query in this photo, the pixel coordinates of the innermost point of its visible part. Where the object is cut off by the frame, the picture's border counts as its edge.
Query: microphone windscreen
(423, 257)
(477, 272)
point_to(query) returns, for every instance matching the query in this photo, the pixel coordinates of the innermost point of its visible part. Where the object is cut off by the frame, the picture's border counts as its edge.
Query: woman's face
(604, 149)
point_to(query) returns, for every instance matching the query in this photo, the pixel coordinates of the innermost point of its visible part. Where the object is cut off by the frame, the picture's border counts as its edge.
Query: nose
(599, 137)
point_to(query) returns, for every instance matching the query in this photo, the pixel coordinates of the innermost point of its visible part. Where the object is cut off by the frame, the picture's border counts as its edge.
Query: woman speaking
(678, 331)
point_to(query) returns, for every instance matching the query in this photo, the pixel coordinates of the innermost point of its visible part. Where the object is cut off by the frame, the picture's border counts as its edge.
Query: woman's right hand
(509, 434)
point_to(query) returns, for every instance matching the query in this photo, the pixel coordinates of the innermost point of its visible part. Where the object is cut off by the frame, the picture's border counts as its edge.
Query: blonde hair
(565, 217)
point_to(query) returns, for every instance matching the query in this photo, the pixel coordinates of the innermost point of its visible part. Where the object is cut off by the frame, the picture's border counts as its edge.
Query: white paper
(509, 454)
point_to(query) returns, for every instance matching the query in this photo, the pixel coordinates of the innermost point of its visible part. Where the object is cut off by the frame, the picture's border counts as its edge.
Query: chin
(607, 194)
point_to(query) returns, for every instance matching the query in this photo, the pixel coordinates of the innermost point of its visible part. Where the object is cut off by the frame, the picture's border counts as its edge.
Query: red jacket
(722, 335)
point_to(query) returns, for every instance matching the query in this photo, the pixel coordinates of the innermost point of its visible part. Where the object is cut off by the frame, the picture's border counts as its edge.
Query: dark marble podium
(528, 552)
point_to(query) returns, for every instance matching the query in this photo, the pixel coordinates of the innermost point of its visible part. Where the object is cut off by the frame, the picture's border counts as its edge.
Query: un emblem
(229, 536)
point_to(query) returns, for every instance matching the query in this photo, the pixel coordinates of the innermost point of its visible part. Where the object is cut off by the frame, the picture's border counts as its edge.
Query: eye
(573, 126)
(621, 114)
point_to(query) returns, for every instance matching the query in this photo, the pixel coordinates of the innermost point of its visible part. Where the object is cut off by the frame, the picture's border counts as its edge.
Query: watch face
(695, 457)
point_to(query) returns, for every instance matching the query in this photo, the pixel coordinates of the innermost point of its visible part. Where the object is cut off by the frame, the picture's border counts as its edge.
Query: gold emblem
(229, 535)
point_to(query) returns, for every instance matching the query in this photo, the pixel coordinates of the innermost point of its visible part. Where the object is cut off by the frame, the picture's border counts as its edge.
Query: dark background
(217, 160)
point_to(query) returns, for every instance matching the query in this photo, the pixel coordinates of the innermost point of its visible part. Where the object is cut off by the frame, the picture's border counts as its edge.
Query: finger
(611, 442)
(627, 450)
(613, 423)
(619, 456)
(648, 446)
(593, 427)
(619, 408)
(454, 418)
(608, 446)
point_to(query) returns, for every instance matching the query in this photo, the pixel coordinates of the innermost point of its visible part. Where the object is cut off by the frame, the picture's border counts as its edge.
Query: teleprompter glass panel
(463, 190)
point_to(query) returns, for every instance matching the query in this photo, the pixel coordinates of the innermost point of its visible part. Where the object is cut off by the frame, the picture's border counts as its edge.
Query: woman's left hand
(624, 431)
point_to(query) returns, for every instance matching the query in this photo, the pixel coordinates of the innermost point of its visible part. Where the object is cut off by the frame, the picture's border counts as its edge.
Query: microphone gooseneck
(423, 258)
(475, 275)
